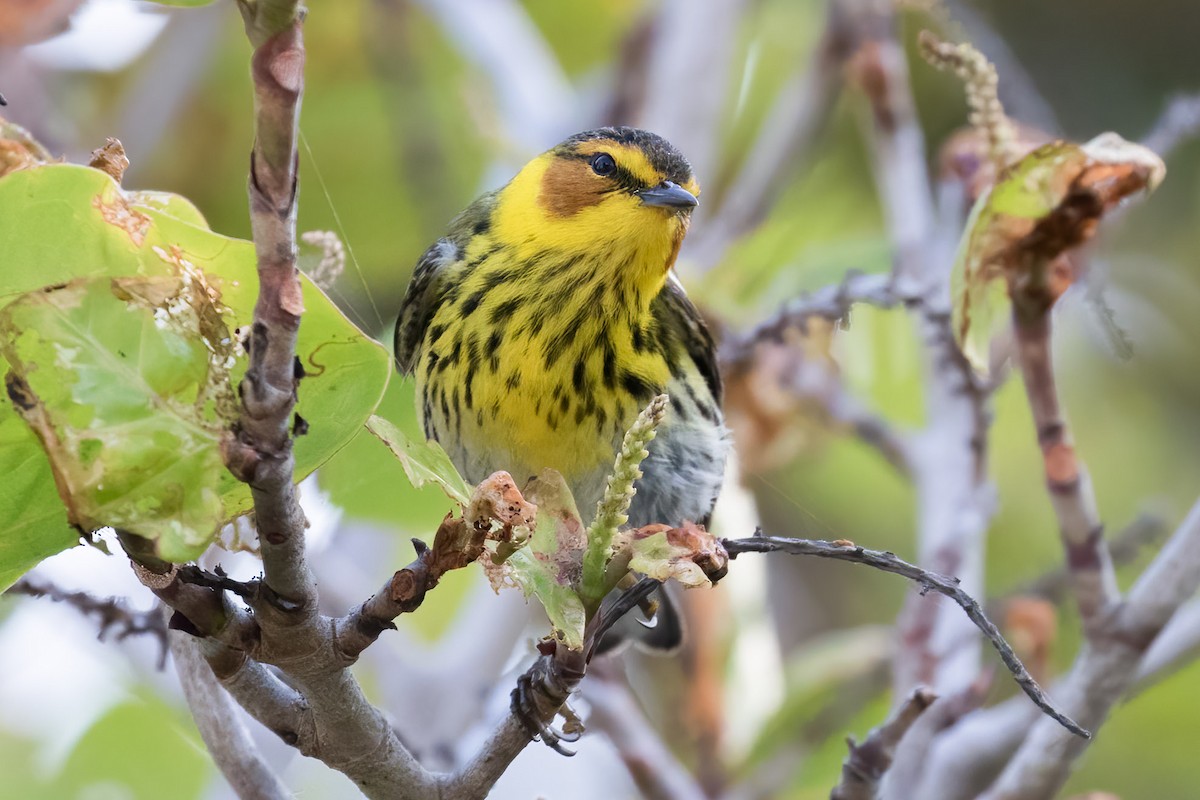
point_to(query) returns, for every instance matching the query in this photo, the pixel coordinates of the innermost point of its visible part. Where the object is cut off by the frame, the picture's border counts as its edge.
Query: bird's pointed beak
(668, 195)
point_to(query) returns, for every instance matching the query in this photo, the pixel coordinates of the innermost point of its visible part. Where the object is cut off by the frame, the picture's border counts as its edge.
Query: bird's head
(623, 192)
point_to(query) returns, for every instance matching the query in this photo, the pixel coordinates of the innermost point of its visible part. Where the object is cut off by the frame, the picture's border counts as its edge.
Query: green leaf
(423, 462)
(662, 552)
(61, 222)
(1003, 245)
(140, 746)
(125, 381)
(549, 567)
(171, 205)
(563, 606)
(1028, 191)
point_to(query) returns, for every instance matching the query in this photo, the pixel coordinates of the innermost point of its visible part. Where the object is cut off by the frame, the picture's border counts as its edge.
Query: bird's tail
(658, 629)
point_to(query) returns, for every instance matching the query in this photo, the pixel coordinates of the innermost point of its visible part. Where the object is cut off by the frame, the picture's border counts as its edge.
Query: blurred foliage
(130, 753)
(399, 134)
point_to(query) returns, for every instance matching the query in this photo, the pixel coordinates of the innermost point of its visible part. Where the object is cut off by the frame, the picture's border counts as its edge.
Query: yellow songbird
(547, 318)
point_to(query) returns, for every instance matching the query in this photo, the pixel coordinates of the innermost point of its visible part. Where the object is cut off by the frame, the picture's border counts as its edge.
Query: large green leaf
(114, 375)
(60, 222)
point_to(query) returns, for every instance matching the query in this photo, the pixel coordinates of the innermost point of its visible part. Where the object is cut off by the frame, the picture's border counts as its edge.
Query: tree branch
(1107, 667)
(546, 685)
(261, 453)
(842, 550)
(1123, 548)
(111, 614)
(277, 706)
(1093, 579)
(880, 69)
(1174, 648)
(949, 469)
(832, 303)
(967, 757)
(867, 763)
(817, 381)
(401, 594)
(1179, 122)
(227, 739)
(286, 630)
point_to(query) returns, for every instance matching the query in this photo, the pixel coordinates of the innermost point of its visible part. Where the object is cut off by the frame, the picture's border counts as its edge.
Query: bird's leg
(534, 701)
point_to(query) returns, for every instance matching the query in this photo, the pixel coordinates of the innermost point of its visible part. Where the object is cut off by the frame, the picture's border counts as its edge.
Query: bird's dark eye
(603, 164)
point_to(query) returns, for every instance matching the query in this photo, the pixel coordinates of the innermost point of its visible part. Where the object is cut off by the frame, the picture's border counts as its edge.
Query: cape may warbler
(548, 317)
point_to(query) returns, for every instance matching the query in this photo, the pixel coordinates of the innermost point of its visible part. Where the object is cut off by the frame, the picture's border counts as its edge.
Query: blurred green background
(401, 131)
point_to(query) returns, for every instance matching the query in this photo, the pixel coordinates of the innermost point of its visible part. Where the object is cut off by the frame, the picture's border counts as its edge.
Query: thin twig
(832, 303)
(112, 614)
(969, 756)
(227, 739)
(928, 581)
(867, 763)
(914, 751)
(753, 367)
(1093, 579)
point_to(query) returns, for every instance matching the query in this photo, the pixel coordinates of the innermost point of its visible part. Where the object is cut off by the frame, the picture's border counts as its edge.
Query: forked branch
(842, 550)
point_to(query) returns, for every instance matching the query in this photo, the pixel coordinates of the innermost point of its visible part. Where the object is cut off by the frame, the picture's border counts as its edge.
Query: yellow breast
(523, 374)
(541, 350)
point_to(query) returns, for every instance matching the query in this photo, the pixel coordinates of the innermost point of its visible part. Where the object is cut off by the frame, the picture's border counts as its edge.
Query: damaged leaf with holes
(125, 382)
(1044, 205)
(64, 222)
(689, 554)
(549, 567)
(542, 555)
(537, 541)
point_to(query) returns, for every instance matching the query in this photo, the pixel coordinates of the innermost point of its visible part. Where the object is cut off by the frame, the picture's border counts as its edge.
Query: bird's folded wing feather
(428, 282)
(676, 311)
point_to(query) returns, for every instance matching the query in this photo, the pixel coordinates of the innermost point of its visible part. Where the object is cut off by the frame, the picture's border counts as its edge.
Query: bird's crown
(591, 167)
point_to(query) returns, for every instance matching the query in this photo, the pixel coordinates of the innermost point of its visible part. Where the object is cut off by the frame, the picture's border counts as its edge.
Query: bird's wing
(428, 283)
(676, 311)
